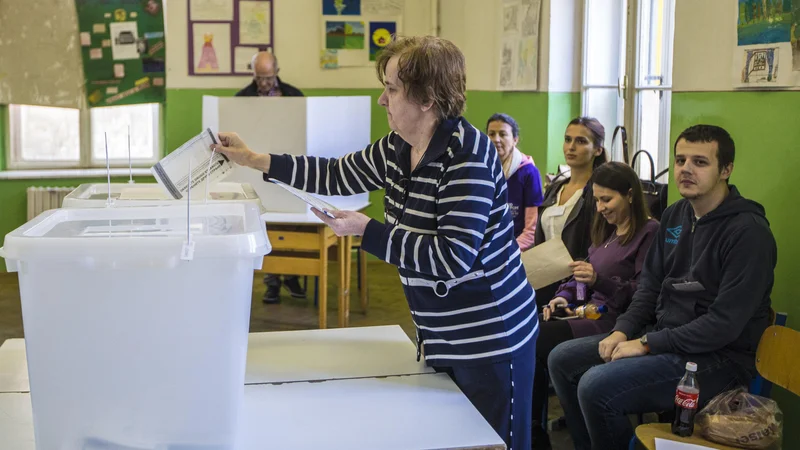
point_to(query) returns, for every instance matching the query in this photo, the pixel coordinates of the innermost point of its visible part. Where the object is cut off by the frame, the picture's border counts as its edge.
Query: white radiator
(41, 199)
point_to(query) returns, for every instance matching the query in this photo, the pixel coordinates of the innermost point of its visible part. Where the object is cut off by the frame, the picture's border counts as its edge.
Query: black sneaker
(272, 296)
(293, 285)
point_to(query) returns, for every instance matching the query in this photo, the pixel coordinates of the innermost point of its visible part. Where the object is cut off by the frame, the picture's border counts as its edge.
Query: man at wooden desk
(267, 84)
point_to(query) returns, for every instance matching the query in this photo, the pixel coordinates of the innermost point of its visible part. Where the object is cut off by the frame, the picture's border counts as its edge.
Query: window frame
(629, 89)
(14, 160)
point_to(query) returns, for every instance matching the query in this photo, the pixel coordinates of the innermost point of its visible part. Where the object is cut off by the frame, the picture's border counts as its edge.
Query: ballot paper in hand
(321, 205)
(547, 263)
(172, 172)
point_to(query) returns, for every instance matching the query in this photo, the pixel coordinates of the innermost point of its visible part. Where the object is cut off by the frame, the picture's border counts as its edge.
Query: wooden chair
(777, 361)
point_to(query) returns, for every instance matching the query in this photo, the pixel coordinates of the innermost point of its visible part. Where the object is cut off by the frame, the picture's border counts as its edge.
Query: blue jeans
(502, 393)
(597, 397)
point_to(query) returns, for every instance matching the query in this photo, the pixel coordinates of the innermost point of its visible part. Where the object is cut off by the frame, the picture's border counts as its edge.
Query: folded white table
(286, 356)
(424, 411)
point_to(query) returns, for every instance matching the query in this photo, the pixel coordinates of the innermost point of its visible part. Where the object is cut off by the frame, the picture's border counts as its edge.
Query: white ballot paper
(172, 172)
(321, 205)
(666, 444)
(547, 263)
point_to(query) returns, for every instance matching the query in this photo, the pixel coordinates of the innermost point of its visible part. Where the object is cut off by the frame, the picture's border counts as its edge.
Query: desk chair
(777, 361)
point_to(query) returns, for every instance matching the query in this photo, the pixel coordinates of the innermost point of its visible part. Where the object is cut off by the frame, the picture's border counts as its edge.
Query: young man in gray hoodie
(703, 296)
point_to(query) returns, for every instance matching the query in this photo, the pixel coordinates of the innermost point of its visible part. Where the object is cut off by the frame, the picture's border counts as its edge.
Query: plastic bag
(740, 419)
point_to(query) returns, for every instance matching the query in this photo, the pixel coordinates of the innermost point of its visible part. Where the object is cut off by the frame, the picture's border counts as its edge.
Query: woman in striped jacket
(447, 228)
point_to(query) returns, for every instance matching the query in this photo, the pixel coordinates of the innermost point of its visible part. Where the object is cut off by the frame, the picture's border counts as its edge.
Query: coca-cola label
(686, 400)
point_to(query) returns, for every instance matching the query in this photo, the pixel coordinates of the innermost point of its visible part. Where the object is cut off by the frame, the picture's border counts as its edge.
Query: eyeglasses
(270, 79)
(396, 213)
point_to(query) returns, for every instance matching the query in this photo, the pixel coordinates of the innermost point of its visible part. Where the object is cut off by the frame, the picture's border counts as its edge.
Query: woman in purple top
(621, 235)
(522, 178)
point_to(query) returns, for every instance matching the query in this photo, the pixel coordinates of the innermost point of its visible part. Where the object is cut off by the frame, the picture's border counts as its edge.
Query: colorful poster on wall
(341, 7)
(225, 34)
(356, 37)
(380, 35)
(123, 50)
(768, 52)
(211, 47)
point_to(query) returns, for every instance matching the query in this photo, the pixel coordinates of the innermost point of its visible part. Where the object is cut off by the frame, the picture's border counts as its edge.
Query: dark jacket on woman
(577, 229)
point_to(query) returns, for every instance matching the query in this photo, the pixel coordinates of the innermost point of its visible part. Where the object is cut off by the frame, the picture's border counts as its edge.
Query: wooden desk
(300, 244)
(419, 411)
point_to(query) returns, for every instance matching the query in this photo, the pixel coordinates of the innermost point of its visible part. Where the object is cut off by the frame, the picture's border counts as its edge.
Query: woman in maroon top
(621, 235)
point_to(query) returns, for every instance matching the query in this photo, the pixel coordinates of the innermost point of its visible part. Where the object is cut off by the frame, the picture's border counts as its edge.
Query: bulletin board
(123, 51)
(225, 34)
(355, 31)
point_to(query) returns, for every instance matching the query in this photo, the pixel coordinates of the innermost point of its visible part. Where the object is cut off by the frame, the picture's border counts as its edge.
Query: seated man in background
(267, 84)
(265, 79)
(703, 296)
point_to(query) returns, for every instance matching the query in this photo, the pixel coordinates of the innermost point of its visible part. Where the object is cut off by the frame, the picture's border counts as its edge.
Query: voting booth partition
(327, 127)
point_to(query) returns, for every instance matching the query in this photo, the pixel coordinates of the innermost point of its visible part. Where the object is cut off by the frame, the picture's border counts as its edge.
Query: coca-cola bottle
(686, 398)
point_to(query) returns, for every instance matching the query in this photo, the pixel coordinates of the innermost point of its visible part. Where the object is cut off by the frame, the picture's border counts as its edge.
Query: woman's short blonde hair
(432, 70)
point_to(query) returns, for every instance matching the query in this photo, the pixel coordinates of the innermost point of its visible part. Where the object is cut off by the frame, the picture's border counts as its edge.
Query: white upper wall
(298, 33)
(705, 34)
(473, 26)
(470, 24)
(565, 31)
(705, 37)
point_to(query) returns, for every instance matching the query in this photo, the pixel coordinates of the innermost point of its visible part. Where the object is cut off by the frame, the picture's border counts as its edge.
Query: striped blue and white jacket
(449, 231)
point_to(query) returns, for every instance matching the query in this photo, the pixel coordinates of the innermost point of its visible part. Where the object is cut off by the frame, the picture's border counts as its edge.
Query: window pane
(604, 40)
(653, 39)
(651, 105)
(48, 134)
(605, 106)
(114, 121)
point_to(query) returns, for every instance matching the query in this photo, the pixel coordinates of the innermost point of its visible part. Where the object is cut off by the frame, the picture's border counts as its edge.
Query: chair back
(778, 358)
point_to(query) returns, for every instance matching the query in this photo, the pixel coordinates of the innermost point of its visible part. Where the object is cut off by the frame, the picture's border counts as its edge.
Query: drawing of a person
(208, 58)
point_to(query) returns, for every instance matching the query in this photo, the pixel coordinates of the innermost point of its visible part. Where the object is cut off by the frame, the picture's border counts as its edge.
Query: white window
(43, 137)
(627, 73)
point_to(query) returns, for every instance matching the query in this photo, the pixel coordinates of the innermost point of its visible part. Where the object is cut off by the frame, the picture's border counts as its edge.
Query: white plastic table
(424, 411)
(286, 356)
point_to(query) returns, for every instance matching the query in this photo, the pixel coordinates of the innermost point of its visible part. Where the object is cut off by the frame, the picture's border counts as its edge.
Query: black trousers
(551, 333)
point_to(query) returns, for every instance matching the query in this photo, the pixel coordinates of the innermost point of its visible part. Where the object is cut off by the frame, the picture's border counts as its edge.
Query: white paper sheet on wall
(211, 10)
(254, 22)
(383, 7)
(519, 45)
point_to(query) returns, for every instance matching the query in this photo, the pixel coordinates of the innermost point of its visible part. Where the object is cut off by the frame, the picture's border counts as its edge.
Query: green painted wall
(562, 107)
(183, 119)
(765, 127)
(3, 135)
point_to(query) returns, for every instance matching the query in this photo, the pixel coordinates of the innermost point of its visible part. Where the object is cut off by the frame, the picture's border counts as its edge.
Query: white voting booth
(328, 127)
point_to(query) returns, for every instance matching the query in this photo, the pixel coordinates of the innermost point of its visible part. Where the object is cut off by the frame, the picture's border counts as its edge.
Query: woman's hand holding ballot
(232, 146)
(344, 223)
(583, 272)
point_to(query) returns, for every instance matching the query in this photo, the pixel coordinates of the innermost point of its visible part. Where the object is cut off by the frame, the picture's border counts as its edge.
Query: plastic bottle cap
(691, 367)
